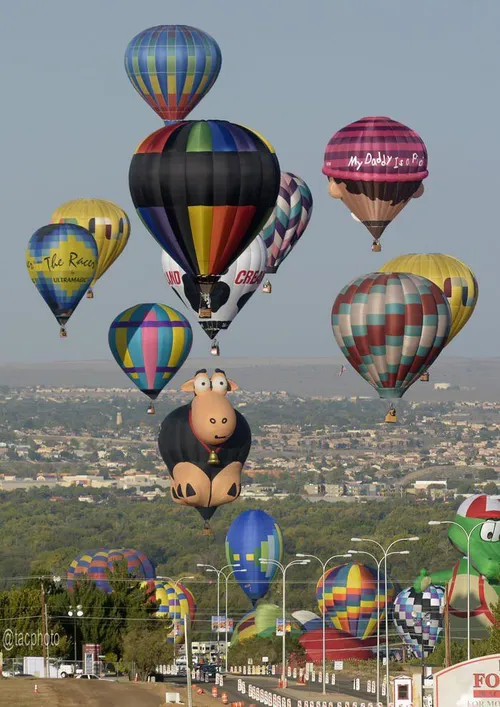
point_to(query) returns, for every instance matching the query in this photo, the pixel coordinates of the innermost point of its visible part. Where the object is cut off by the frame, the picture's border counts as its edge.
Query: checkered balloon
(418, 617)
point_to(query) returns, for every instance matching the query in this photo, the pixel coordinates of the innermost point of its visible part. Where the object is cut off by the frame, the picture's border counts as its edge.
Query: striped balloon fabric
(172, 67)
(376, 149)
(288, 220)
(391, 327)
(203, 189)
(96, 565)
(350, 598)
(175, 602)
(150, 342)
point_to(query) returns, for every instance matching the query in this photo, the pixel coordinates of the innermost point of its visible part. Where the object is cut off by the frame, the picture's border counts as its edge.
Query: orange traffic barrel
(215, 691)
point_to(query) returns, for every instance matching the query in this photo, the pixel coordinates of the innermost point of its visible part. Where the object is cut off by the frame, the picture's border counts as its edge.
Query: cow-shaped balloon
(205, 444)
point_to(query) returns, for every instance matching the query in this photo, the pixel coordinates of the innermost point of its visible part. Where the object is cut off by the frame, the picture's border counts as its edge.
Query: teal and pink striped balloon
(288, 220)
(150, 342)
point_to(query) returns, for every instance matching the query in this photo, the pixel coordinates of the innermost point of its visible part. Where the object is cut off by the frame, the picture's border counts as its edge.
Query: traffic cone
(36, 689)
(224, 698)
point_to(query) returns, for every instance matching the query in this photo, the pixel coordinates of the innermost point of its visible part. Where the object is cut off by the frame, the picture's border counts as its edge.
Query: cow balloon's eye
(224, 420)
(219, 383)
(212, 420)
(201, 383)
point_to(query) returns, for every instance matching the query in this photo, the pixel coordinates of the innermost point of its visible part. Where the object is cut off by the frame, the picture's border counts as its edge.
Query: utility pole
(44, 627)
(447, 656)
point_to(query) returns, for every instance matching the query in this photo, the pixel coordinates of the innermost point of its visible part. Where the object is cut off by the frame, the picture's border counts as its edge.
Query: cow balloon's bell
(205, 444)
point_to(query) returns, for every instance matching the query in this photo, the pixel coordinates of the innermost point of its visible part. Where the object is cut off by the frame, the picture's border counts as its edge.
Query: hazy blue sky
(296, 72)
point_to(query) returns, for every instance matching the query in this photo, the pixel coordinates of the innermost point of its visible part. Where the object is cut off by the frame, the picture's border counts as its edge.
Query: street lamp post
(425, 616)
(378, 563)
(283, 572)
(176, 583)
(225, 623)
(386, 552)
(323, 567)
(211, 568)
(75, 612)
(468, 536)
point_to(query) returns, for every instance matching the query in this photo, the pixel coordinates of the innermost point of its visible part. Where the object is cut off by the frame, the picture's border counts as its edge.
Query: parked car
(87, 676)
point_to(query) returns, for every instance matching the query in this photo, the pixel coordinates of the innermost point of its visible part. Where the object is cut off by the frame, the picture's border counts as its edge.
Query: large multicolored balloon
(391, 327)
(252, 536)
(172, 67)
(418, 617)
(175, 602)
(96, 565)
(288, 220)
(150, 342)
(375, 166)
(229, 295)
(204, 189)
(261, 622)
(453, 277)
(62, 262)
(107, 222)
(204, 445)
(350, 598)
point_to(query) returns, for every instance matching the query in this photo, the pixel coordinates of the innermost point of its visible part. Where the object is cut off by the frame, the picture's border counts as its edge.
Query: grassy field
(19, 692)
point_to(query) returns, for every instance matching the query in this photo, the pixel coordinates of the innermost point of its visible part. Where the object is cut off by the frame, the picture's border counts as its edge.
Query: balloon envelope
(418, 617)
(288, 220)
(62, 262)
(453, 277)
(378, 165)
(96, 565)
(261, 622)
(172, 67)
(350, 598)
(204, 189)
(150, 342)
(252, 536)
(391, 327)
(107, 222)
(175, 602)
(229, 295)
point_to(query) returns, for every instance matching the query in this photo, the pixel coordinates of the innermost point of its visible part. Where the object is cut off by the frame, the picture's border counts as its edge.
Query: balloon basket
(151, 410)
(425, 377)
(205, 313)
(90, 293)
(215, 350)
(207, 530)
(267, 288)
(63, 333)
(376, 247)
(391, 416)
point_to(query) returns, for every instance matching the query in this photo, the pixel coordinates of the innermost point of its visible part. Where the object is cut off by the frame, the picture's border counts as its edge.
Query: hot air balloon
(375, 165)
(204, 445)
(204, 189)
(418, 617)
(62, 262)
(252, 536)
(391, 327)
(172, 67)
(150, 342)
(175, 602)
(287, 222)
(350, 598)
(235, 287)
(453, 277)
(261, 622)
(96, 565)
(107, 222)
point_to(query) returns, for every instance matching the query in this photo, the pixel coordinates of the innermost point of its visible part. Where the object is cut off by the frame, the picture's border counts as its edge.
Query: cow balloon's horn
(213, 459)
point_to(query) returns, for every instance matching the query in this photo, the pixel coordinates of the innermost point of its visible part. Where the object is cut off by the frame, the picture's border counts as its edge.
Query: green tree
(147, 649)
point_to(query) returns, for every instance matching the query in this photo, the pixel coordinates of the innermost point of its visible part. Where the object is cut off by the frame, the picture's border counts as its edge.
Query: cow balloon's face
(213, 418)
